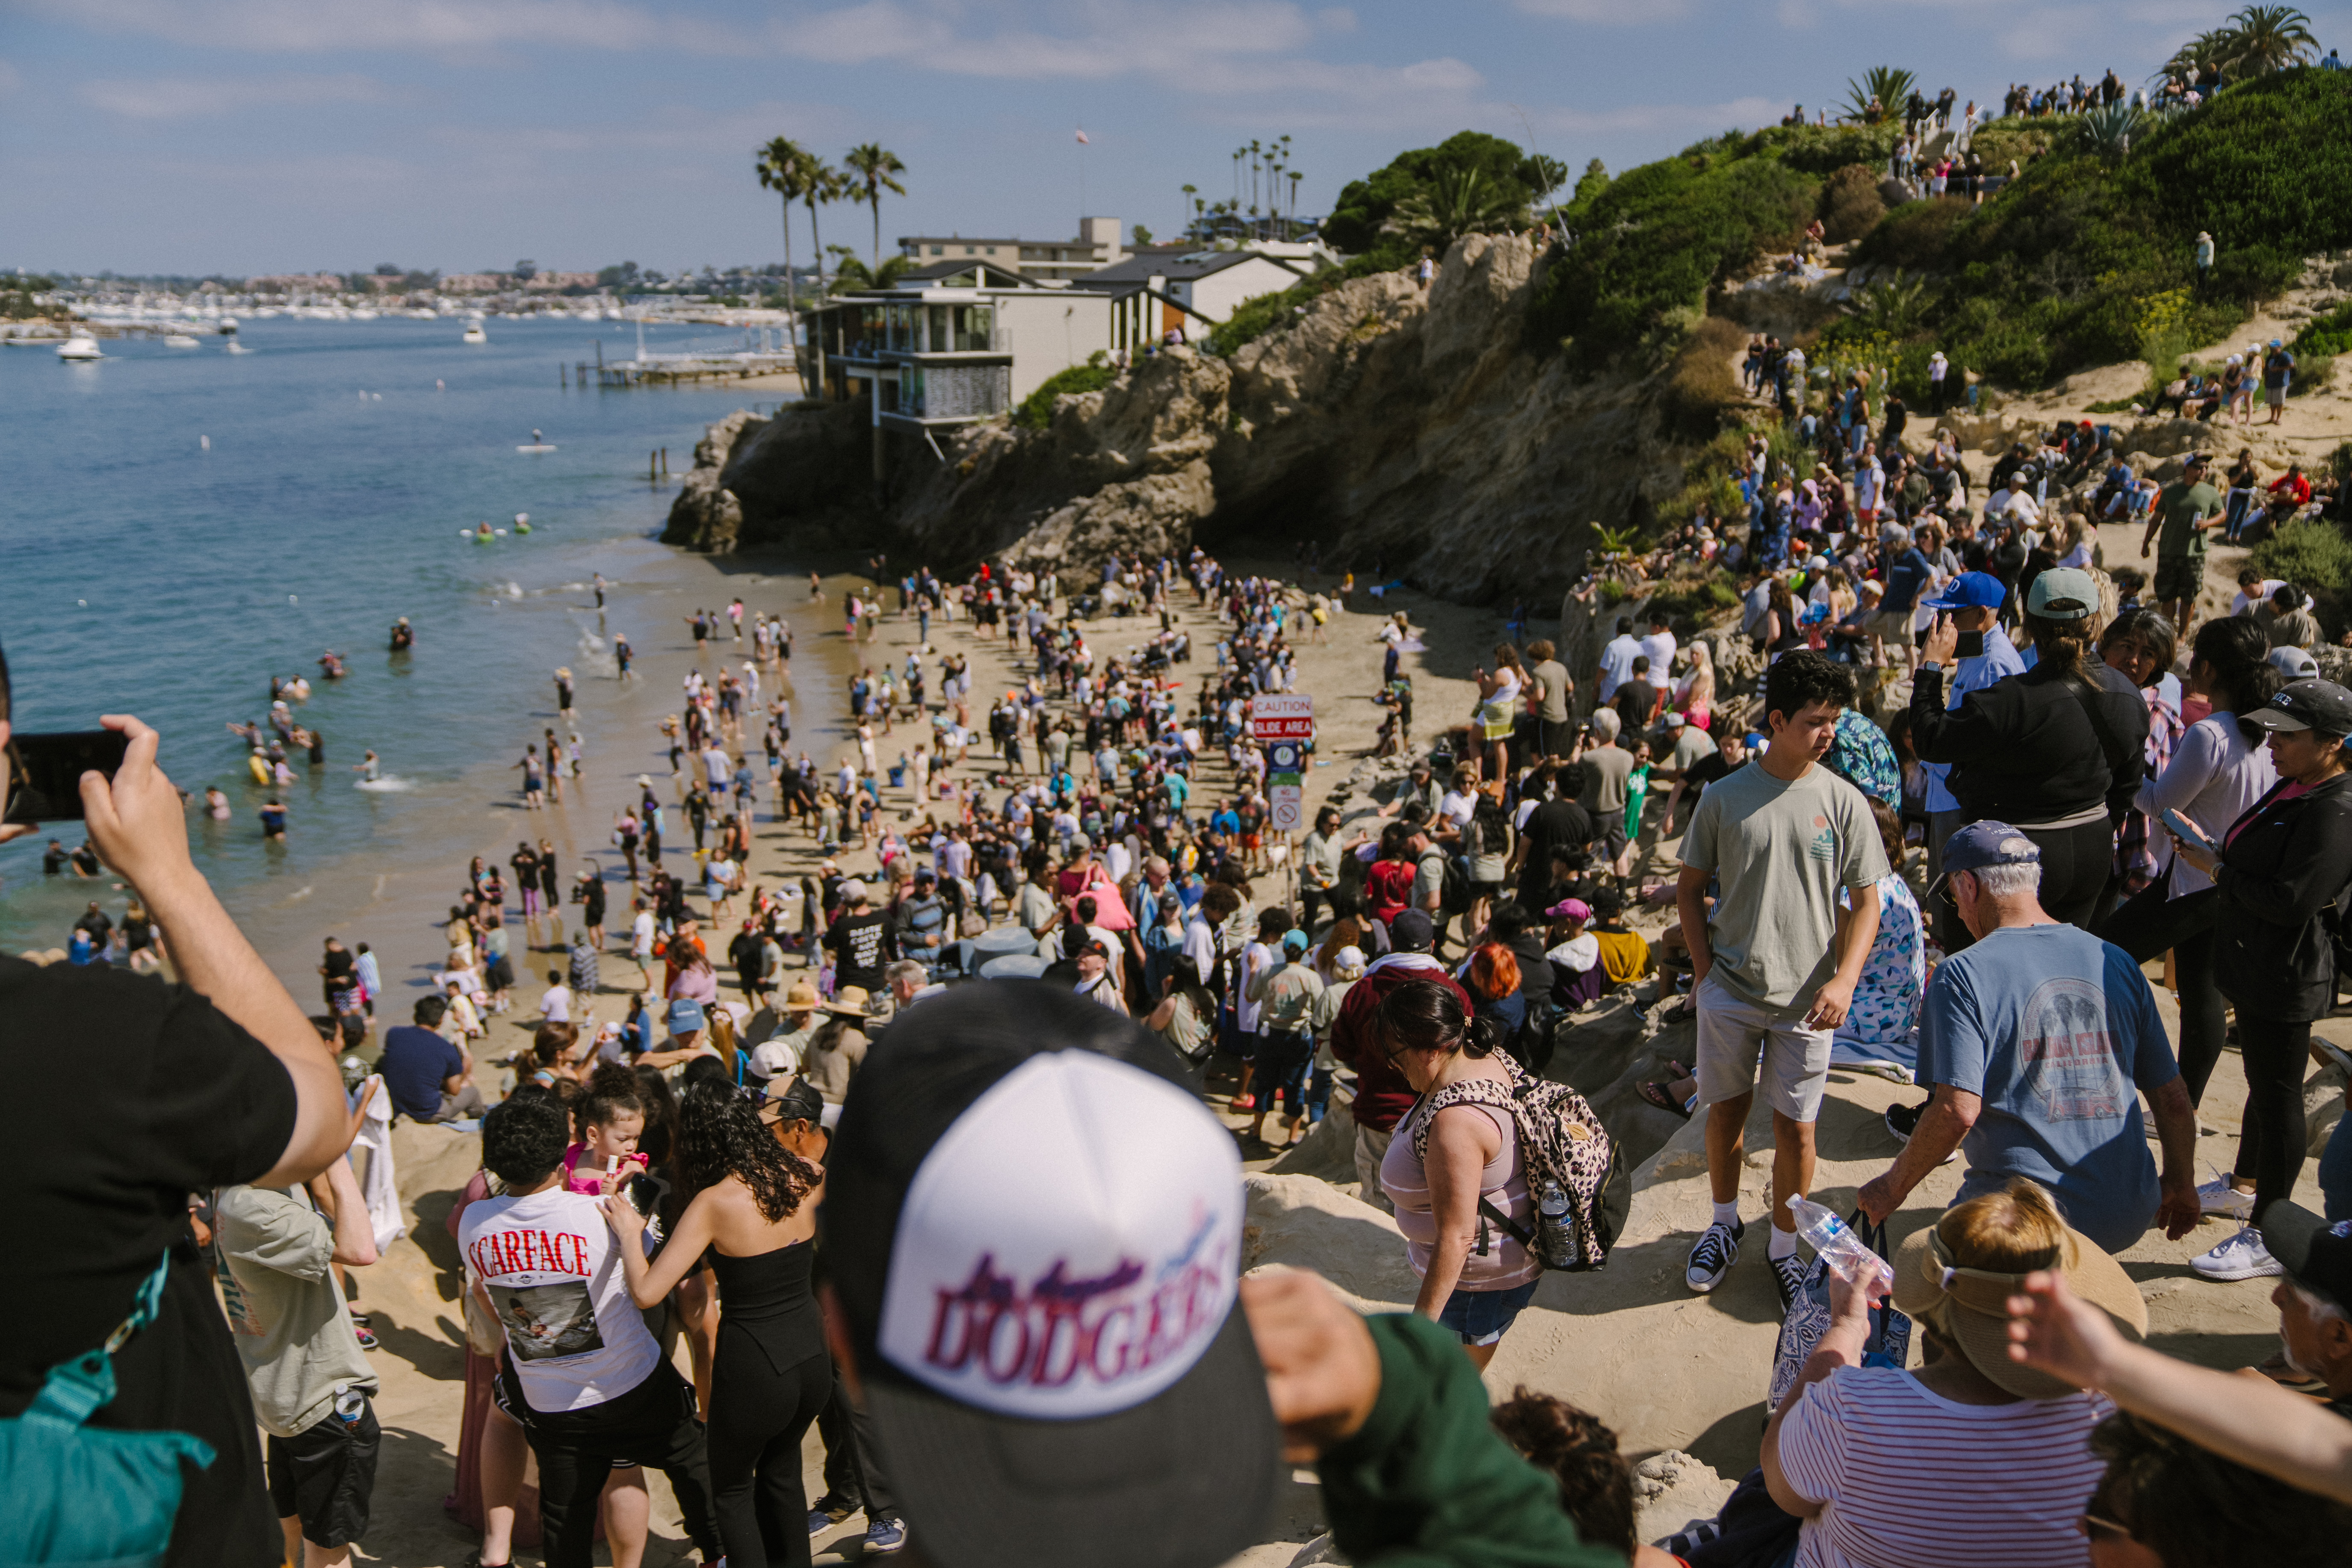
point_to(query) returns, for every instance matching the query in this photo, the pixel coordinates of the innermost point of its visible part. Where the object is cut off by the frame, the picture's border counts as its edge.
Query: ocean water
(144, 571)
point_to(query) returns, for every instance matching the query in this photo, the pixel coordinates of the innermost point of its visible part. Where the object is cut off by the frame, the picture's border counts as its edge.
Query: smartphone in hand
(46, 772)
(2188, 832)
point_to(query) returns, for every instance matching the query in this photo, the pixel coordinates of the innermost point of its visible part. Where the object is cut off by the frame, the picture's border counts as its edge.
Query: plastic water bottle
(1554, 1231)
(1836, 1242)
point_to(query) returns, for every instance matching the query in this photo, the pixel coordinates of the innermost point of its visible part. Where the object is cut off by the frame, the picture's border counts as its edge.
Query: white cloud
(181, 98)
(1611, 13)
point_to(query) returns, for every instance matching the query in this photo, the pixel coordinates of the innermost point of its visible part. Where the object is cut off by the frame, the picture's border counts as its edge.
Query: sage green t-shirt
(285, 1312)
(1781, 850)
(2180, 504)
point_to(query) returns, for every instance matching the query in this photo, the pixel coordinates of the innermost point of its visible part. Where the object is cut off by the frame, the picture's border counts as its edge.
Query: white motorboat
(78, 347)
(180, 341)
(237, 348)
(228, 325)
(424, 313)
(474, 333)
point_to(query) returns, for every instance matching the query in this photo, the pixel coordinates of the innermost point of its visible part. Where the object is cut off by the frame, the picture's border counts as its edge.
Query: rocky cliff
(1417, 434)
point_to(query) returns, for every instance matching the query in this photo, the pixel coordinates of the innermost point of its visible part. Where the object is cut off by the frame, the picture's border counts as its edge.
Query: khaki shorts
(1733, 1034)
(1892, 625)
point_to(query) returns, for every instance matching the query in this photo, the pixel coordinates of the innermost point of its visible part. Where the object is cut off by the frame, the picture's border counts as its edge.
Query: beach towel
(382, 1187)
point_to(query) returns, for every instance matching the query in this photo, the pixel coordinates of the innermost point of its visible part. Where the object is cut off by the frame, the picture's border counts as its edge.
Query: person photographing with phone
(226, 1082)
(2280, 874)
(2058, 750)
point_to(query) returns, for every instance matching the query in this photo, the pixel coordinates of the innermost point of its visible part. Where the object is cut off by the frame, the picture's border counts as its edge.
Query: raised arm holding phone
(161, 1091)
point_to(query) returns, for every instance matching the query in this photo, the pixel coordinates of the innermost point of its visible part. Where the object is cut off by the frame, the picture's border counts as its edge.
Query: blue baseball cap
(1983, 843)
(1970, 591)
(685, 1015)
(1295, 940)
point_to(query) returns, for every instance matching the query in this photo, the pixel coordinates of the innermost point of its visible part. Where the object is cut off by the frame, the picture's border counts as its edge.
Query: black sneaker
(1902, 1120)
(1711, 1259)
(1787, 1277)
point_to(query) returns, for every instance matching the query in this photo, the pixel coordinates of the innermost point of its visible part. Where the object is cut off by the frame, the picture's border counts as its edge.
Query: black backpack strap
(1487, 1210)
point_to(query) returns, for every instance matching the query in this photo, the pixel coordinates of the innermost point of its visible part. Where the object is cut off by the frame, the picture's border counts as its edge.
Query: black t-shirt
(1555, 824)
(158, 1096)
(1706, 770)
(1636, 701)
(861, 945)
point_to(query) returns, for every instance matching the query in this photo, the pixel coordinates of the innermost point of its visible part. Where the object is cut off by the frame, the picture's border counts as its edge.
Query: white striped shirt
(1915, 1480)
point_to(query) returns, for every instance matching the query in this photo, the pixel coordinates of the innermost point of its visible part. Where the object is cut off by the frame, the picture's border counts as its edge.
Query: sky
(253, 136)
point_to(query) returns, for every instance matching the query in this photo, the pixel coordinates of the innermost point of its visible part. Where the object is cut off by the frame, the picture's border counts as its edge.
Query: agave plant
(1459, 201)
(2108, 128)
(1611, 542)
(1885, 86)
(1894, 304)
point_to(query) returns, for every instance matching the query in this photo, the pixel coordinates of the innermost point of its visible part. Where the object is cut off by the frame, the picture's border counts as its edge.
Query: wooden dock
(674, 370)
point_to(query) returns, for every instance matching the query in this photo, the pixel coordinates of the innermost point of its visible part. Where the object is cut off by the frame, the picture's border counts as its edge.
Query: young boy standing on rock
(1775, 964)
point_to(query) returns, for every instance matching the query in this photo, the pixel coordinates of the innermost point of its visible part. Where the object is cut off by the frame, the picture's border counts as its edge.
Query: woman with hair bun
(1475, 1278)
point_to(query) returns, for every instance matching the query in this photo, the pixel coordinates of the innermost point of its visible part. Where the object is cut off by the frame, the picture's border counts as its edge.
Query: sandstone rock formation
(1418, 431)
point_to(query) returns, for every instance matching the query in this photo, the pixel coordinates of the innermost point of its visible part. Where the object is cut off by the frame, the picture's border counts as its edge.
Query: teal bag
(84, 1497)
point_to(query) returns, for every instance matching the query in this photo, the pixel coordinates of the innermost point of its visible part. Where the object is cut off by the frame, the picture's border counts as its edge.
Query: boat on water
(79, 347)
(237, 348)
(228, 325)
(474, 333)
(424, 313)
(180, 341)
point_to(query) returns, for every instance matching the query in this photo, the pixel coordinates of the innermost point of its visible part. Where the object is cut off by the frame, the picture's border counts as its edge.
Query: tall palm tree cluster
(797, 175)
(2254, 42)
(1264, 202)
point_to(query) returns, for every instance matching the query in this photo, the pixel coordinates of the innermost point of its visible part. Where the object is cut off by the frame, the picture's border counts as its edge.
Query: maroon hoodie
(1382, 1095)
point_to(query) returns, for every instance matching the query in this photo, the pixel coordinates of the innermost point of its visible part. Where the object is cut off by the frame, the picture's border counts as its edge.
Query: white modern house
(1198, 288)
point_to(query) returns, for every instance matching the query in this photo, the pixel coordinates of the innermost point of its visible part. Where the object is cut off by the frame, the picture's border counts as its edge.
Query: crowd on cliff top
(1030, 1225)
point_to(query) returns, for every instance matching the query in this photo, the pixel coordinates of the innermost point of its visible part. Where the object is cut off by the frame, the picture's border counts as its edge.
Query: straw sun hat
(1970, 1305)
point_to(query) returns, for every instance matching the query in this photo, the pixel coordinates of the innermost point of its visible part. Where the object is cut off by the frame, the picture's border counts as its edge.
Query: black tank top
(768, 1297)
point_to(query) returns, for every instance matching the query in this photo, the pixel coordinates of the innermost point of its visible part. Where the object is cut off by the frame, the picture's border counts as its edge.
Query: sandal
(1656, 1093)
(1242, 1102)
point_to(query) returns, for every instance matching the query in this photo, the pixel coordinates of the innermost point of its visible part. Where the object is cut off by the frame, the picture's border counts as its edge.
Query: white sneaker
(2242, 1257)
(2218, 1196)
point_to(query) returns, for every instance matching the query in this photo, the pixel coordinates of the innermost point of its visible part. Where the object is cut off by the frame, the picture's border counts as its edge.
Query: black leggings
(2149, 925)
(2271, 1145)
(2075, 866)
(758, 1414)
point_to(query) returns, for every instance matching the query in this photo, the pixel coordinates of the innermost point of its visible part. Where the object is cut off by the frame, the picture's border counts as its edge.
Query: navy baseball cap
(1983, 843)
(1970, 591)
(685, 1015)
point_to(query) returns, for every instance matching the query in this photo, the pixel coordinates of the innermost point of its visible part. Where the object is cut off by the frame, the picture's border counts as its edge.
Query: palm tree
(2266, 38)
(1878, 96)
(782, 166)
(1189, 192)
(872, 166)
(1457, 202)
(821, 181)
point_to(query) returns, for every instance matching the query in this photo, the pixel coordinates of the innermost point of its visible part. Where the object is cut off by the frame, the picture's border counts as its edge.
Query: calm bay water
(141, 572)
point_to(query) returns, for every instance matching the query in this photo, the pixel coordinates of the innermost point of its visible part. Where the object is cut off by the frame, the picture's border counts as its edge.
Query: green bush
(1851, 205)
(1914, 233)
(1252, 319)
(1694, 599)
(2317, 558)
(1365, 205)
(1701, 386)
(2330, 334)
(1821, 150)
(1653, 239)
(1036, 410)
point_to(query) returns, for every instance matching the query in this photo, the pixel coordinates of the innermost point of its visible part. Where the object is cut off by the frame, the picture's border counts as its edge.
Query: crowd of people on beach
(959, 1006)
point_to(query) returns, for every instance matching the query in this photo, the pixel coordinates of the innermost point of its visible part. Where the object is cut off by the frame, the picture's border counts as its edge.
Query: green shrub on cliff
(1651, 241)
(1036, 410)
(2066, 267)
(1359, 220)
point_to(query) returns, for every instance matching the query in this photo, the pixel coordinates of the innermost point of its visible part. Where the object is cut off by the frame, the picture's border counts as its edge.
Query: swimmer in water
(216, 804)
(368, 768)
(600, 590)
(816, 587)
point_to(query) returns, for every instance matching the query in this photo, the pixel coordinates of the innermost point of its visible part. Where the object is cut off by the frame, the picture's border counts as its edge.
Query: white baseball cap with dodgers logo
(1032, 1239)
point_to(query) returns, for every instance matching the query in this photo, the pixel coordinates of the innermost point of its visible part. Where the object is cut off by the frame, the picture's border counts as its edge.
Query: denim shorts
(1483, 1317)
